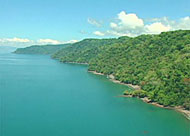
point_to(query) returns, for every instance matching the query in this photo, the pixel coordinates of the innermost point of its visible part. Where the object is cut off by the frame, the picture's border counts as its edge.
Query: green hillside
(85, 50)
(160, 64)
(41, 49)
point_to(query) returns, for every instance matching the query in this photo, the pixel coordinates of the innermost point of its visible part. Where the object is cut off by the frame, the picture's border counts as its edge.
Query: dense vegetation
(160, 64)
(41, 49)
(84, 51)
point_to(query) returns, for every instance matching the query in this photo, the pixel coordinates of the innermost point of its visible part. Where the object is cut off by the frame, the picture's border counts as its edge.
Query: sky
(24, 23)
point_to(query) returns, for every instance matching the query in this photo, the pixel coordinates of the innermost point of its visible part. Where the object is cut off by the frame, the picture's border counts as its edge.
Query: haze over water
(43, 97)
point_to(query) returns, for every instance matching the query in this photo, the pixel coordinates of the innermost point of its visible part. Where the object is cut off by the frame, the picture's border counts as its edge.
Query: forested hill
(160, 64)
(85, 50)
(41, 49)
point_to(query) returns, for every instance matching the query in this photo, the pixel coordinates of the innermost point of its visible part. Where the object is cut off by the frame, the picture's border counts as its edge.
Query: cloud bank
(130, 24)
(98, 33)
(23, 42)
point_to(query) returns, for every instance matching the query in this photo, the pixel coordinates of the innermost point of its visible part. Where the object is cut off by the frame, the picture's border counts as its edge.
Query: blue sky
(59, 21)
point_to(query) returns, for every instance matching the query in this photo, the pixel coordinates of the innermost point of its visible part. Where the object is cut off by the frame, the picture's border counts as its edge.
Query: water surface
(43, 97)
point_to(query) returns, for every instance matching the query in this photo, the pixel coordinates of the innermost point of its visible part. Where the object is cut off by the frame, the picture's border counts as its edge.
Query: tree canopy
(160, 64)
(41, 49)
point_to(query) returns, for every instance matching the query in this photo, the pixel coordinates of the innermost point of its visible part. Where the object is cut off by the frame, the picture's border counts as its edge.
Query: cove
(43, 97)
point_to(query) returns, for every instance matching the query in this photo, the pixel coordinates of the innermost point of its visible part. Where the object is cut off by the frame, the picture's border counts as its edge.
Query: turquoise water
(42, 97)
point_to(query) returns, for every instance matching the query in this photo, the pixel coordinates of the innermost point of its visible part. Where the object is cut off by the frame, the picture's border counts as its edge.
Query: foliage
(41, 49)
(83, 51)
(137, 93)
(160, 64)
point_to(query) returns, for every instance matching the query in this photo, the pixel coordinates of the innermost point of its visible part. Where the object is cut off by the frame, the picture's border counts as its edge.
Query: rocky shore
(76, 63)
(180, 109)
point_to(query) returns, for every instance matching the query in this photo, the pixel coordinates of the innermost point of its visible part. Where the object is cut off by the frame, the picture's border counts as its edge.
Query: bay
(43, 97)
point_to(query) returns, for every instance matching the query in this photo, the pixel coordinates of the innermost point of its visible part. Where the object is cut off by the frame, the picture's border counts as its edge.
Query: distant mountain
(7, 49)
(41, 49)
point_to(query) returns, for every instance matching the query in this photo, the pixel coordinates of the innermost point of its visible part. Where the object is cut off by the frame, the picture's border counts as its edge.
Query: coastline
(76, 63)
(180, 109)
(111, 77)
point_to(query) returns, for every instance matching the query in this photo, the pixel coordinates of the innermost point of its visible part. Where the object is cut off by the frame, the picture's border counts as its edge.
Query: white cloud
(48, 41)
(51, 41)
(157, 28)
(94, 22)
(111, 32)
(113, 25)
(71, 41)
(15, 39)
(182, 23)
(132, 25)
(115, 33)
(21, 42)
(98, 33)
(125, 24)
(18, 40)
(130, 20)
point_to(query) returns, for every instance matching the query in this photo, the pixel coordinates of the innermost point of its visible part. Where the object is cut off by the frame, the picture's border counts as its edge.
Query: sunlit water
(43, 97)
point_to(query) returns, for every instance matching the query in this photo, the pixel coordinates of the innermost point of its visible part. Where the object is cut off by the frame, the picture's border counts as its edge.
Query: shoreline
(111, 77)
(76, 63)
(186, 113)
